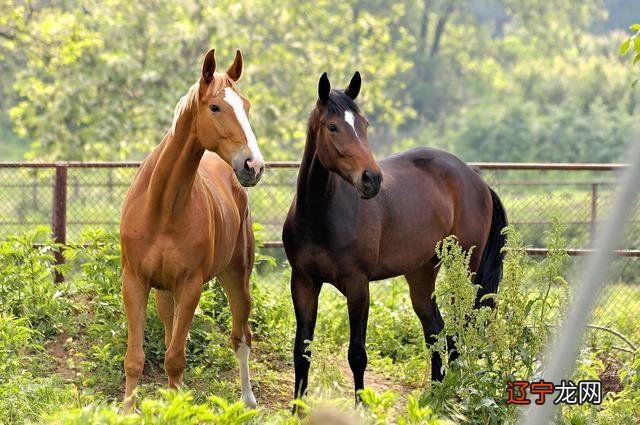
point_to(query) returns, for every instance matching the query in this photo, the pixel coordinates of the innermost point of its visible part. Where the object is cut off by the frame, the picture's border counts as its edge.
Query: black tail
(490, 270)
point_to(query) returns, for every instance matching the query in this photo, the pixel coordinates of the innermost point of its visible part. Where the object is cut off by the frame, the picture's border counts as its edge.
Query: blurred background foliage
(490, 80)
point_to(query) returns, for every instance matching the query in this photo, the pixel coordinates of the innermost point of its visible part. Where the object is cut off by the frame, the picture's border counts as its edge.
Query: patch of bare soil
(610, 379)
(58, 351)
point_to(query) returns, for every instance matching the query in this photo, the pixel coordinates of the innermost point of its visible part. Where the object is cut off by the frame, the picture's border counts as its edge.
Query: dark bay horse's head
(341, 137)
(222, 123)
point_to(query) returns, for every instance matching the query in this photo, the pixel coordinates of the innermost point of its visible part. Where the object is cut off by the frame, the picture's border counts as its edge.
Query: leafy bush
(23, 396)
(26, 281)
(495, 346)
(506, 344)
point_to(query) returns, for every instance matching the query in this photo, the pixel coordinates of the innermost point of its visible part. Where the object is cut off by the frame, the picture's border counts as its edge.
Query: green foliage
(23, 396)
(521, 80)
(82, 385)
(620, 408)
(172, 407)
(497, 346)
(632, 44)
(26, 281)
(389, 313)
(15, 336)
(378, 407)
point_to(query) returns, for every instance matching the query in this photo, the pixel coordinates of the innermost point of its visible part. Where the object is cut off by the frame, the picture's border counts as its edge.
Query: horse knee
(174, 362)
(239, 337)
(134, 363)
(357, 358)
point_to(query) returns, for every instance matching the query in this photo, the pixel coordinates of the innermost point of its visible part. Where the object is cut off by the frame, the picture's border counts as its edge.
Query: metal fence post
(59, 216)
(34, 190)
(594, 209)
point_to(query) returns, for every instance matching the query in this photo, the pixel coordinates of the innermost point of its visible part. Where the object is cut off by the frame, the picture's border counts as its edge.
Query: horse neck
(175, 168)
(315, 182)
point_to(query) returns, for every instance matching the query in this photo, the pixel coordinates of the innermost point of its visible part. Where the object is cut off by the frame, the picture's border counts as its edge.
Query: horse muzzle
(249, 173)
(370, 183)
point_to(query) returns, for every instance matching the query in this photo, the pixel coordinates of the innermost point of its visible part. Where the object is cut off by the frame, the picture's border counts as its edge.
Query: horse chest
(328, 263)
(183, 248)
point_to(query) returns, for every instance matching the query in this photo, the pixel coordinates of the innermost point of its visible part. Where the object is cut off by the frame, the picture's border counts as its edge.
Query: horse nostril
(367, 178)
(246, 165)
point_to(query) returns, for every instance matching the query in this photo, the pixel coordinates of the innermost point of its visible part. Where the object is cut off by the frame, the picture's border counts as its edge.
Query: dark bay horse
(353, 221)
(186, 219)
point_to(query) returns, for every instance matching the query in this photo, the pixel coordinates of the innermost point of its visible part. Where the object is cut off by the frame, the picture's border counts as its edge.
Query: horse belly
(409, 238)
(167, 263)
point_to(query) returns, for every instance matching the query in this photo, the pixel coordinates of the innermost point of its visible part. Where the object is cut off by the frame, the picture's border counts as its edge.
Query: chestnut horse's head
(221, 123)
(340, 132)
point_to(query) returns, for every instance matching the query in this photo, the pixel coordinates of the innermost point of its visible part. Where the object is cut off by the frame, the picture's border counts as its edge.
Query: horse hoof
(249, 400)
(298, 411)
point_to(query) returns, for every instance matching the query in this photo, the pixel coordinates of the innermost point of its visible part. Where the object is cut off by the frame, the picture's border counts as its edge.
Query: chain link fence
(72, 197)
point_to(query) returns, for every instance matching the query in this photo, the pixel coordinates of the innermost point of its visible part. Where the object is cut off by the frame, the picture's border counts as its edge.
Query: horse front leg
(135, 294)
(304, 293)
(356, 289)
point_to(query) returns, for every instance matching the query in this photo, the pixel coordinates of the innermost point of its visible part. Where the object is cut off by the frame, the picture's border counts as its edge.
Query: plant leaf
(624, 47)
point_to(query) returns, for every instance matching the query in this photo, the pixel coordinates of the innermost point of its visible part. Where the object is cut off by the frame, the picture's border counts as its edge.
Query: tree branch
(616, 333)
(424, 28)
(611, 331)
(7, 36)
(442, 22)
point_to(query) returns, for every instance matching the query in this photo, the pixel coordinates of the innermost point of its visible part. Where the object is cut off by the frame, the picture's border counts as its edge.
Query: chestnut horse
(353, 221)
(186, 220)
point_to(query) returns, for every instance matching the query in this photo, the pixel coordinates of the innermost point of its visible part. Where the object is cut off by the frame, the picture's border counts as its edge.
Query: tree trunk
(442, 22)
(424, 29)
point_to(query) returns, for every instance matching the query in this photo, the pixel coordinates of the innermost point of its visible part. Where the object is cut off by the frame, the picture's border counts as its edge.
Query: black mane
(339, 102)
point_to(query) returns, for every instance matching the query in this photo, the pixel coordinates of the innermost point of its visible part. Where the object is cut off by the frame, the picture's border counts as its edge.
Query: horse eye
(332, 128)
(214, 108)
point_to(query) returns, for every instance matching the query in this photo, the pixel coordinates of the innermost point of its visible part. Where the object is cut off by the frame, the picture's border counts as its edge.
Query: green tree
(102, 82)
(632, 44)
(518, 80)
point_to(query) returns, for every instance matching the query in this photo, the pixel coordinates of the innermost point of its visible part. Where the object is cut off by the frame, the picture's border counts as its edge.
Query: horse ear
(209, 66)
(353, 88)
(235, 69)
(324, 87)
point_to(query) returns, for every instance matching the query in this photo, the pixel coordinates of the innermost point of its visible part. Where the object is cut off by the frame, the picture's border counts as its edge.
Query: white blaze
(348, 117)
(232, 98)
(242, 354)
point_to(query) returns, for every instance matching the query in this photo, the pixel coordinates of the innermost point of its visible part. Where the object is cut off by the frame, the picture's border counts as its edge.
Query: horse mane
(339, 102)
(220, 81)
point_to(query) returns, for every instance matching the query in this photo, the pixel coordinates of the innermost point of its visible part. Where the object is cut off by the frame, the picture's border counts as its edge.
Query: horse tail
(490, 270)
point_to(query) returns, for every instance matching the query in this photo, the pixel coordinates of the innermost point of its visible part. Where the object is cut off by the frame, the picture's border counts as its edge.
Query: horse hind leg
(186, 301)
(135, 294)
(165, 307)
(235, 282)
(421, 285)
